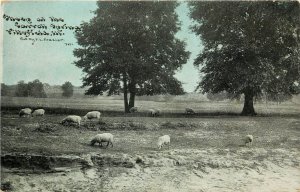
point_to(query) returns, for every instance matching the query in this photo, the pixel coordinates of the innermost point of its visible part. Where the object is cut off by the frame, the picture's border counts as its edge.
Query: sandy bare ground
(178, 170)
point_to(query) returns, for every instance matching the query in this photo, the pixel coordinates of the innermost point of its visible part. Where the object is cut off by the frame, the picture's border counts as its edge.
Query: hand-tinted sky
(51, 62)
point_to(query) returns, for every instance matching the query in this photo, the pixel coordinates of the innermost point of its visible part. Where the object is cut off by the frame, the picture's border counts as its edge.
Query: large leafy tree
(130, 47)
(250, 48)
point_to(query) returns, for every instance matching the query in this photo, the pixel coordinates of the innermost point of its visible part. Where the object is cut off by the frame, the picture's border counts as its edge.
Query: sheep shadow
(100, 146)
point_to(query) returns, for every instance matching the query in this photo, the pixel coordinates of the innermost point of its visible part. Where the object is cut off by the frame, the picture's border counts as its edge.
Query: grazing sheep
(26, 111)
(104, 137)
(248, 139)
(163, 140)
(71, 119)
(38, 112)
(189, 111)
(92, 115)
(157, 112)
(151, 112)
(154, 112)
(133, 109)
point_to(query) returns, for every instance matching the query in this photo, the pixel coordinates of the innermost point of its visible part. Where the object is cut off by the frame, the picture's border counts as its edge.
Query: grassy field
(139, 134)
(173, 108)
(207, 153)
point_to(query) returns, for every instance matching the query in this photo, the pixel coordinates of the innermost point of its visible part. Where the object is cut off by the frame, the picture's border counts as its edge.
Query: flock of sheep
(108, 137)
(28, 112)
(156, 112)
(92, 114)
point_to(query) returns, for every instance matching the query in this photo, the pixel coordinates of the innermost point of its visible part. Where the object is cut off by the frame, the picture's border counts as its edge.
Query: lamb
(189, 111)
(133, 109)
(248, 139)
(72, 119)
(163, 140)
(26, 111)
(92, 115)
(104, 137)
(38, 112)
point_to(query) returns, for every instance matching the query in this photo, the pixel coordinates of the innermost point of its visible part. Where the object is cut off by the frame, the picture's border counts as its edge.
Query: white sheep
(26, 111)
(248, 139)
(133, 109)
(72, 119)
(92, 115)
(189, 111)
(38, 112)
(151, 112)
(104, 137)
(154, 112)
(163, 140)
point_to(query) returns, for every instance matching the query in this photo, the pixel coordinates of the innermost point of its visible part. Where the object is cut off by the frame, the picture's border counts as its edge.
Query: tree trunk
(125, 95)
(131, 100)
(126, 102)
(132, 90)
(248, 104)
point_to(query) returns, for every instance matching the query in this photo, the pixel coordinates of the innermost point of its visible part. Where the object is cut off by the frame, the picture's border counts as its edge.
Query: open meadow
(207, 151)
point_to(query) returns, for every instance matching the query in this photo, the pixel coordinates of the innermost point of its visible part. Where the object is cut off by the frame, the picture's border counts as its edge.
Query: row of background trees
(39, 90)
(33, 88)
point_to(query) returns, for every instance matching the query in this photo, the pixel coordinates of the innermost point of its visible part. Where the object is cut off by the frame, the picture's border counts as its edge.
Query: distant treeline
(37, 89)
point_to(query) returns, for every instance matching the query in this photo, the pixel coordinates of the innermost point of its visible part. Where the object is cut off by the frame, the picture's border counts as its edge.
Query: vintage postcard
(156, 96)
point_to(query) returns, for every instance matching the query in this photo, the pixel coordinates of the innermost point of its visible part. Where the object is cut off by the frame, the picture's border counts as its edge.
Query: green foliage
(32, 89)
(151, 87)
(22, 89)
(223, 95)
(36, 89)
(130, 47)
(4, 89)
(67, 88)
(250, 47)
(217, 96)
(279, 97)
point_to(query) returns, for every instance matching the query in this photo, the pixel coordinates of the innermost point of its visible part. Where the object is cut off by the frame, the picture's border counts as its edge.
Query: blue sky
(51, 62)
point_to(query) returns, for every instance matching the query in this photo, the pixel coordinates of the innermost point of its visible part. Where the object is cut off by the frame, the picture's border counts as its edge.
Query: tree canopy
(249, 48)
(130, 47)
(30, 89)
(36, 89)
(4, 89)
(68, 89)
